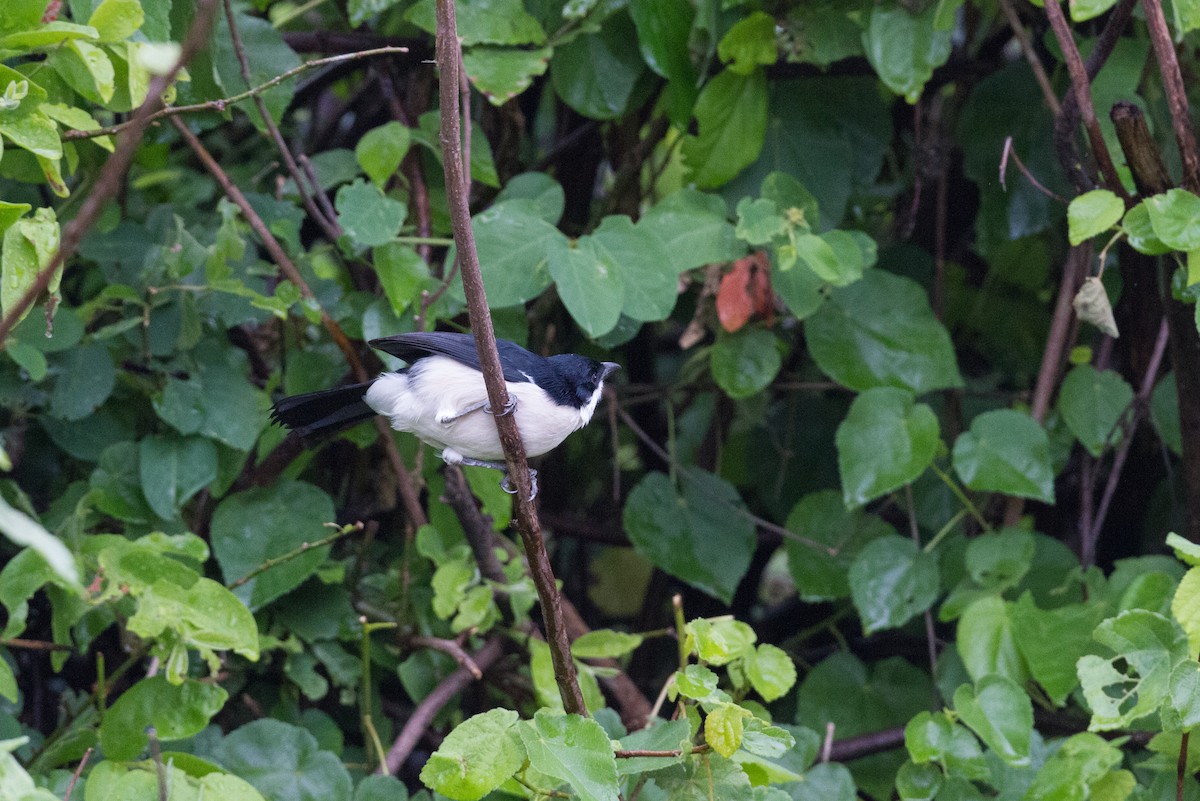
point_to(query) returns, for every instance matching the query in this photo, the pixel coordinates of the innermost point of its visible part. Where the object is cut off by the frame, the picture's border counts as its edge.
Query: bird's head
(583, 377)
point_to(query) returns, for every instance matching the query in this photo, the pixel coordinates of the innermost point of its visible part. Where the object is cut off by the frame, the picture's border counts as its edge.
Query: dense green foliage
(868, 480)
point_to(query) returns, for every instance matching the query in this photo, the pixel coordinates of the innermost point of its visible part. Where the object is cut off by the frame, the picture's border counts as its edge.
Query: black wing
(520, 366)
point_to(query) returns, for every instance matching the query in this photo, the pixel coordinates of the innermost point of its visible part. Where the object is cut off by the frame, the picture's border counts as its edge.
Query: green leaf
(886, 441)
(1134, 682)
(1164, 413)
(723, 728)
(543, 195)
(1092, 212)
(591, 289)
(218, 402)
(1175, 218)
(1185, 607)
(378, 787)
(513, 245)
(1083, 10)
(1006, 451)
(175, 712)
(47, 35)
(86, 68)
(479, 755)
(1092, 404)
(402, 273)
(1181, 709)
(265, 523)
(771, 671)
(880, 331)
(205, 616)
(694, 230)
(745, 362)
(759, 221)
(748, 44)
(719, 642)
(700, 536)
(731, 114)
(502, 73)
(574, 750)
(918, 782)
(1069, 773)
(905, 48)
(934, 737)
(283, 761)
(821, 258)
(173, 469)
(604, 644)
(987, 644)
(820, 573)
(29, 245)
(116, 20)
(596, 73)
(1140, 232)
(700, 684)
(1001, 714)
(369, 217)
(825, 781)
(87, 377)
(650, 279)
(706, 779)
(661, 735)
(663, 30)
(892, 581)
(1185, 550)
(380, 151)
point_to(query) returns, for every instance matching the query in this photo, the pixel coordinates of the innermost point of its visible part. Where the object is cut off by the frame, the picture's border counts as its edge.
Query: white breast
(437, 387)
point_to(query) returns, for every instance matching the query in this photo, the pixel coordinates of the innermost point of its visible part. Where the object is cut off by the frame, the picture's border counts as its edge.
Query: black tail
(318, 414)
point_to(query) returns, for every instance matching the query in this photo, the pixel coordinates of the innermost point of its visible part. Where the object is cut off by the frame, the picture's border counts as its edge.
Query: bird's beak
(609, 369)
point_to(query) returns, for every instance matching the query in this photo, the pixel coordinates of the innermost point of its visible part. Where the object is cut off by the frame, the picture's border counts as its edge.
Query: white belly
(438, 387)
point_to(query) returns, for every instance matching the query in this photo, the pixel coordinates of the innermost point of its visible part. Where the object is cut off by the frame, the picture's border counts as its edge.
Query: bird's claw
(509, 407)
(507, 485)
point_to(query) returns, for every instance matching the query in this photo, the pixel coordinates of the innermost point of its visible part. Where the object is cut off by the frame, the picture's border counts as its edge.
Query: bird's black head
(579, 378)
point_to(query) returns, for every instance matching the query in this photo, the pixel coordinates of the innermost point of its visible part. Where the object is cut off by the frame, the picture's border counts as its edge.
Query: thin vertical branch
(448, 59)
(914, 531)
(1081, 87)
(1035, 63)
(328, 225)
(1172, 78)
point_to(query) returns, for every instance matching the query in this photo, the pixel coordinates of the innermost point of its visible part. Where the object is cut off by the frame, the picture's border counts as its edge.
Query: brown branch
(1081, 87)
(633, 753)
(1035, 63)
(1172, 78)
(408, 490)
(1057, 344)
(1140, 405)
(108, 183)
(448, 58)
(1150, 175)
(424, 713)
(330, 226)
(451, 647)
(34, 645)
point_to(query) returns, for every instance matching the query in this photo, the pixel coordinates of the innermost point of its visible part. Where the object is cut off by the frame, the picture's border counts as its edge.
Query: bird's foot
(448, 416)
(507, 485)
(509, 407)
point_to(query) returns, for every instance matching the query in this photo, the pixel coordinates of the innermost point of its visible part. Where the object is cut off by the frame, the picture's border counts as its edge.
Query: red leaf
(746, 292)
(51, 13)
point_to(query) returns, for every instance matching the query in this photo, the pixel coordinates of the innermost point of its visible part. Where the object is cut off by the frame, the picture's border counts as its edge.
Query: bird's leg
(447, 417)
(505, 483)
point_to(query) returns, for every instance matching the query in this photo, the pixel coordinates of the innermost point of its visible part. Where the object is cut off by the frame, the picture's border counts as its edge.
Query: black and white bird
(441, 398)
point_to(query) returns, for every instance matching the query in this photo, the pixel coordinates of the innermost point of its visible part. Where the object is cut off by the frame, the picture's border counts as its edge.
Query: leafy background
(873, 510)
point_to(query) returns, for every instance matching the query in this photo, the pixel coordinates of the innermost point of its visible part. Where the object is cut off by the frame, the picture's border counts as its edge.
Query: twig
(827, 742)
(451, 647)
(632, 753)
(109, 181)
(423, 714)
(292, 554)
(1010, 152)
(222, 103)
(1177, 101)
(330, 226)
(1181, 766)
(930, 637)
(34, 645)
(78, 772)
(408, 490)
(1081, 86)
(160, 770)
(1035, 63)
(1139, 403)
(448, 57)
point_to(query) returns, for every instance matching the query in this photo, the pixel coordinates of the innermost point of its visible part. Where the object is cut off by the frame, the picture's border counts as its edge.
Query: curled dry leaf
(746, 292)
(1091, 304)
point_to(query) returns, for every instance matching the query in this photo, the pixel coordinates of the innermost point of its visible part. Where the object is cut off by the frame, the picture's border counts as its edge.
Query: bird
(440, 397)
